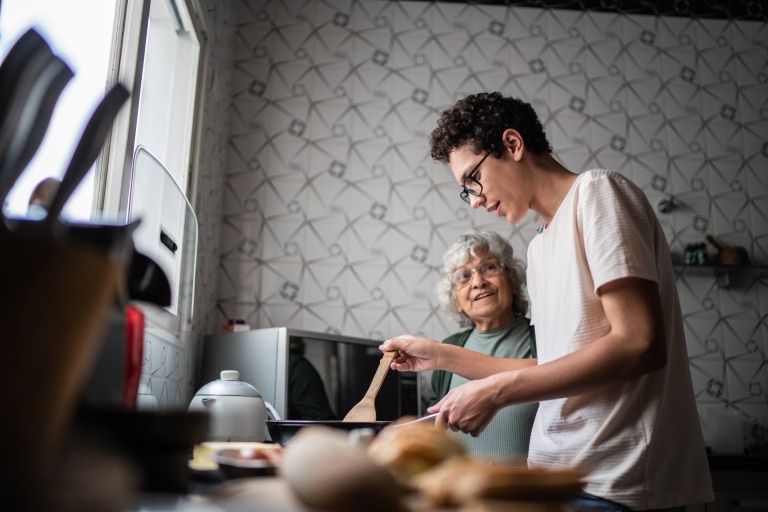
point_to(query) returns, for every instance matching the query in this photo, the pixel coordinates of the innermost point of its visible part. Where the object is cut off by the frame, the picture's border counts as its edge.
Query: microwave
(345, 364)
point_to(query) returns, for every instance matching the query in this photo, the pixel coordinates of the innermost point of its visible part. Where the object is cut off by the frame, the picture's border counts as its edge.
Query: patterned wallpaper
(213, 151)
(320, 207)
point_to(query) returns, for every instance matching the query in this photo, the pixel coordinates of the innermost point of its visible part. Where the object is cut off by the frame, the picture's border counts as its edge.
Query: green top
(505, 439)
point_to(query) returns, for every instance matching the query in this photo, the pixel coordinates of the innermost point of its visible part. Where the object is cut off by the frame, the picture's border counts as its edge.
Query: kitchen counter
(271, 494)
(257, 494)
(739, 483)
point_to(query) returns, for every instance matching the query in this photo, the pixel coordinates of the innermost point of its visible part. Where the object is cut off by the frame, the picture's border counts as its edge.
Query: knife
(429, 418)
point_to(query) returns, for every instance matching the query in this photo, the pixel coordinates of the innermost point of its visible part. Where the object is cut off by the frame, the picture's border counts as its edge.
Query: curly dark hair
(480, 119)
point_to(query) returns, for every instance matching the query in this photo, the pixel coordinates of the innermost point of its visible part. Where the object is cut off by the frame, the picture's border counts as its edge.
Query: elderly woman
(482, 288)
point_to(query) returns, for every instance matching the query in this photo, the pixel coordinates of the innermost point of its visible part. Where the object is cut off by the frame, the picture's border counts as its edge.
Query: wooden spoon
(365, 409)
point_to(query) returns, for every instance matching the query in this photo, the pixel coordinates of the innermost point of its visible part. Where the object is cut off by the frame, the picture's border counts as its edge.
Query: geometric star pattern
(334, 218)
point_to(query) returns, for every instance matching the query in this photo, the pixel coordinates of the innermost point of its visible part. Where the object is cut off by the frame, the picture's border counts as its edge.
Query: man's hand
(413, 354)
(470, 407)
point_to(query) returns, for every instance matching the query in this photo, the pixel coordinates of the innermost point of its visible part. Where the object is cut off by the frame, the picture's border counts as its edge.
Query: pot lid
(229, 384)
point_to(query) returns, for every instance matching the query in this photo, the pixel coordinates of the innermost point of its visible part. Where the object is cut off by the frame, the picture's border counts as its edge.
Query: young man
(612, 374)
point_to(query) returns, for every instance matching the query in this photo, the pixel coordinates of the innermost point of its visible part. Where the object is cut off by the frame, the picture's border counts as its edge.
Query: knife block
(54, 298)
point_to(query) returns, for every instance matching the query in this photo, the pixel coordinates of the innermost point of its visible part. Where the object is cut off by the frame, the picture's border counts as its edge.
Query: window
(85, 44)
(150, 46)
(168, 86)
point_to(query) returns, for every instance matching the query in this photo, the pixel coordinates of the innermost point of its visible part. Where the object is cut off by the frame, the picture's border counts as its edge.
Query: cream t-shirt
(640, 442)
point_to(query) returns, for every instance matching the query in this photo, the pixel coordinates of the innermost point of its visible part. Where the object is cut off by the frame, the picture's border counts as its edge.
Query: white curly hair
(467, 247)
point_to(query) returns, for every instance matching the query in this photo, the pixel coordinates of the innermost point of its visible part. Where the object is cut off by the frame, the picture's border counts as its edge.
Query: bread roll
(408, 450)
(462, 480)
(327, 472)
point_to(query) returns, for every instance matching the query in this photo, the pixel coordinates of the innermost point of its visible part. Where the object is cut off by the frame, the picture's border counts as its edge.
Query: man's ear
(513, 141)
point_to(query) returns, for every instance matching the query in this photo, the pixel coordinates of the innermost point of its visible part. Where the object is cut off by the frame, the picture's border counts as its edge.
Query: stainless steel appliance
(346, 365)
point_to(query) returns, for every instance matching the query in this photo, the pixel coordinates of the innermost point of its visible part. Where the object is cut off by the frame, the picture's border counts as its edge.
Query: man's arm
(634, 346)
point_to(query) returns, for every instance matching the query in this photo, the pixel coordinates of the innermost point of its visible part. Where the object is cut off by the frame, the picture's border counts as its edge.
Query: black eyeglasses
(471, 186)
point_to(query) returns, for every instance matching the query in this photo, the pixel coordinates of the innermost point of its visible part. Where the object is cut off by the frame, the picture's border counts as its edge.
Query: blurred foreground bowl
(54, 297)
(157, 444)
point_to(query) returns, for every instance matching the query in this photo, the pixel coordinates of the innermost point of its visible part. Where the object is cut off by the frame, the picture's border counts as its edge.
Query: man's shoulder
(596, 177)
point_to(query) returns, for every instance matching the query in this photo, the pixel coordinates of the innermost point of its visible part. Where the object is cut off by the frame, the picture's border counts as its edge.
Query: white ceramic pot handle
(272, 411)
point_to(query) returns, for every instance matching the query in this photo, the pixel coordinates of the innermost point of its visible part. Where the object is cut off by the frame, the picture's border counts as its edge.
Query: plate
(247, 462)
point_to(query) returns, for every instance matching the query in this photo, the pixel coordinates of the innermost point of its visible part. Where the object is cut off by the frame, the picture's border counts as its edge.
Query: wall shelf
(726, 276)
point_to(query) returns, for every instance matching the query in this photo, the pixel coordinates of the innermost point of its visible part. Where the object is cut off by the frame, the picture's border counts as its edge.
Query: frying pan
(281, 431)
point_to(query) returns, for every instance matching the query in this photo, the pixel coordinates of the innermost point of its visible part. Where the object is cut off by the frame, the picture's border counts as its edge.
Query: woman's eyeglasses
(463, 276)
(471, 186)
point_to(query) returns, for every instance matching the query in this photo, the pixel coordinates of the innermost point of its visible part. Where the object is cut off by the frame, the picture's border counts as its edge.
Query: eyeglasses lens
(463, 276)
(471, 186)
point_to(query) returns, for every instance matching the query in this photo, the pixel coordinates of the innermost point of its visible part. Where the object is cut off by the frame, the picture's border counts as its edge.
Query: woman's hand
(414, 354)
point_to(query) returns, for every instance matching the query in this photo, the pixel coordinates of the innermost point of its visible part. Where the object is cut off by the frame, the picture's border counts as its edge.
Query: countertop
(271, 494)
(260, 494)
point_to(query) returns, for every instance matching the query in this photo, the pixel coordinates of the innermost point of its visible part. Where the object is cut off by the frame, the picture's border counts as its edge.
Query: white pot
(236, 409)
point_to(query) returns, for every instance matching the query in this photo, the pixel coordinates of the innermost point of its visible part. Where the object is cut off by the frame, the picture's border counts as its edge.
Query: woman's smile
(483, 295)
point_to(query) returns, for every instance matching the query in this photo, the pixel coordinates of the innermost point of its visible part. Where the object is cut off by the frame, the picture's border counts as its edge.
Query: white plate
(243, 462)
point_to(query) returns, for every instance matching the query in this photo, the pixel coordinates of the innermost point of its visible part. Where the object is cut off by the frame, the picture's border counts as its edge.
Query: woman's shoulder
(458, 338)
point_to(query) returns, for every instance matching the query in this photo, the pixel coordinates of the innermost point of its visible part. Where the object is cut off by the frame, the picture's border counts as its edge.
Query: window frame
(113, 171)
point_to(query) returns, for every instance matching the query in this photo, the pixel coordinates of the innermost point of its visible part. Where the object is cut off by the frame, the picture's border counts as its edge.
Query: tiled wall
(334, 218)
